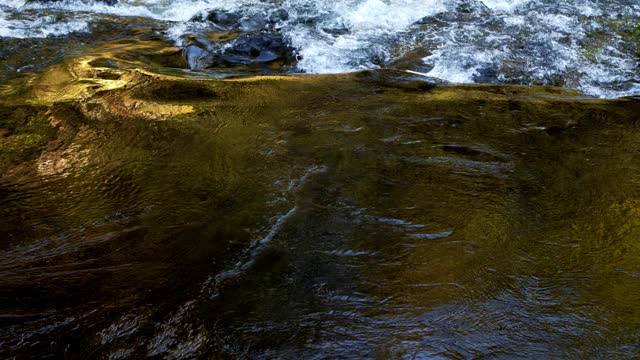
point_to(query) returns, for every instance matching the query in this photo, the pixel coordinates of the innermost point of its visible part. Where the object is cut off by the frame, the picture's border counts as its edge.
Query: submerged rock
(195, 56)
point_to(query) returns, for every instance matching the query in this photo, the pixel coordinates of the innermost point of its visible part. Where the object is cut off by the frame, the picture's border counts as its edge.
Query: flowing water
(282, 218)
(590, 45)
(158, 200)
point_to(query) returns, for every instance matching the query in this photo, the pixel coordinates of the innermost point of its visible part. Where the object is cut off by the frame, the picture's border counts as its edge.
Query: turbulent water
(589, 45)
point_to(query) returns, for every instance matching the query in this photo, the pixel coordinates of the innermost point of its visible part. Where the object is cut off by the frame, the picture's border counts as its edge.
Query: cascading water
(589, 45)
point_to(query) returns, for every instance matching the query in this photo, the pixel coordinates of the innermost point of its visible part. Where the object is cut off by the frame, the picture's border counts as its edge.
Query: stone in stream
(266, 56)
(251, 45)
(253, 23)
(486, 75)
(336, 31)
(195, 56)
(278, 15)
(240, 40)
(224, 19)
(248, 49)
(237, 21)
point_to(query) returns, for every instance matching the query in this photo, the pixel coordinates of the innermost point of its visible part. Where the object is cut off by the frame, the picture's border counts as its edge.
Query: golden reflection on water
(459, 221)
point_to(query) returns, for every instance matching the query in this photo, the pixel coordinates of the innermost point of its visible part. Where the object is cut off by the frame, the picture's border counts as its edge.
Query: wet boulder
(266, 56)
(463, 11)
(256, 49)
(278, 16)
(249, 49)
(196, 57)
(253, 45)
(224, 19)
(253, 23)
(486, 75)
(336, 31)
(219, 18)
(237, 40)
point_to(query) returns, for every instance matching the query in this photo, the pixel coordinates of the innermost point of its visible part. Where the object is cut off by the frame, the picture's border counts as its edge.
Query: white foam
(558, 22)
(378, 16)
(166, 10)
(368, 24)
(505, 5)
(515, 20)
(40, 27)
(450, 70)
(541, 43)
(12, 3)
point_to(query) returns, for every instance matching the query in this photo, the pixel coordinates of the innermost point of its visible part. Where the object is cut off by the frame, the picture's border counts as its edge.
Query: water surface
(371, 215)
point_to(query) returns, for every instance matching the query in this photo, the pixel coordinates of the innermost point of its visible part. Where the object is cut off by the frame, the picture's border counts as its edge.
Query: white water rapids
(588, 45)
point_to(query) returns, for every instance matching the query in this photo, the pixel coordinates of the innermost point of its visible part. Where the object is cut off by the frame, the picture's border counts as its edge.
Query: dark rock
(250, 49)
(486, 75)
(253, 44)
(224, 19)
(196, 57)
(266, 56)
(278, 16)
(465, 11)
(253, 23)
(234, 21)
(308, 21)
(454, 16)
(432, 21)
(464, 8)
(336, 31)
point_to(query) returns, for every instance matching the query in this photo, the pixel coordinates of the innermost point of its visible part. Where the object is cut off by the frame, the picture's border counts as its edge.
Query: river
(346, 179)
